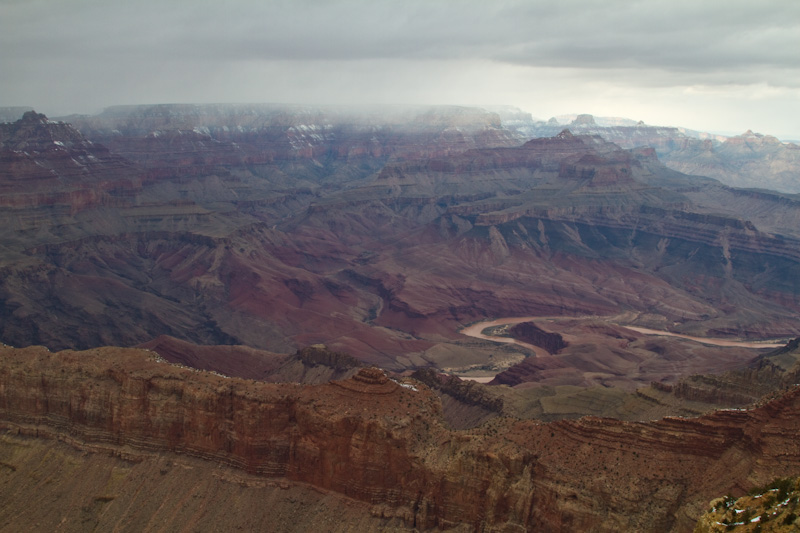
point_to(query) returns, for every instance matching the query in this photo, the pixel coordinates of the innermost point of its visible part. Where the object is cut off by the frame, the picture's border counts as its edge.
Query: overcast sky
(724, 66)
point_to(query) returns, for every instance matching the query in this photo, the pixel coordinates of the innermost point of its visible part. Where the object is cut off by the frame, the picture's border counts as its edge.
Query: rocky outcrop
(532, 334)
(773, 507)
(313, 365)
(227, 360)
(320, 355)
(767, 376)
(381, 441)
(45, 163)
(13, 113)
(369, 438)
(539, 369)
(465, 404)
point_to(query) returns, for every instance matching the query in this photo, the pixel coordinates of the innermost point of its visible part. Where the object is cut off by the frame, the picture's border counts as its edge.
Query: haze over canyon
(396, 317)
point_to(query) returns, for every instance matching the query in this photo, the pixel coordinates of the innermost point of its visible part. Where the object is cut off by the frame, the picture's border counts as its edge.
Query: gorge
(275, 303)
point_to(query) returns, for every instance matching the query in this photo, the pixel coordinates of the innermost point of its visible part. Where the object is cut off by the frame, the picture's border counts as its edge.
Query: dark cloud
(645, 44)
(580, 34)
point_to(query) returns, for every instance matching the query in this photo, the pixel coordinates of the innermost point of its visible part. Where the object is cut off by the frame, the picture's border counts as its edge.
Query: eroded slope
(383, 442)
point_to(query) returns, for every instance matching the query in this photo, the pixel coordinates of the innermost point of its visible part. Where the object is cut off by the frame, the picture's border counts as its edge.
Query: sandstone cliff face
(368, 438)
(382, 442)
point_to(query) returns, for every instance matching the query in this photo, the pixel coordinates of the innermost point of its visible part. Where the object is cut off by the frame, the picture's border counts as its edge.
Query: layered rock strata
(382, 441)
(46, 163)
(379, 235)
(193, 140)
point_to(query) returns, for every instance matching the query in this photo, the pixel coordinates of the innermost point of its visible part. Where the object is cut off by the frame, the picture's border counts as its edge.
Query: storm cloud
(735, 62)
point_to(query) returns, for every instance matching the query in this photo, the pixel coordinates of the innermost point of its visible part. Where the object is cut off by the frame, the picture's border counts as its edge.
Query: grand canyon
(295, 318)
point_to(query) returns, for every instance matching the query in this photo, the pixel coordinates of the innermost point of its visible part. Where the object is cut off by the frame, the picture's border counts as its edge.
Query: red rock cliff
(368, 438)
(380, 441)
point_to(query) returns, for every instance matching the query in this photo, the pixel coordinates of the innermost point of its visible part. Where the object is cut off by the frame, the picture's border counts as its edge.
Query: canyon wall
(383, 442)
(378, 235)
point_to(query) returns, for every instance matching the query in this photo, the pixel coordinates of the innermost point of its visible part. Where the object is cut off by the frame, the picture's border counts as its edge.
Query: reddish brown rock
(279, 227)
(195, 140)
(532, 334)
(46, 163)
(382, 442)
(540, 369)
(233, 361)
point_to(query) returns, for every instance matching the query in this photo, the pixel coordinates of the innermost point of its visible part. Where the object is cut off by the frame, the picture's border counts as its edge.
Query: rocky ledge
(382, 441)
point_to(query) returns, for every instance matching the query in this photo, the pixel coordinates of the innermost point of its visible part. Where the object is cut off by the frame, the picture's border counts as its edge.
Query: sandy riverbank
(476, 331)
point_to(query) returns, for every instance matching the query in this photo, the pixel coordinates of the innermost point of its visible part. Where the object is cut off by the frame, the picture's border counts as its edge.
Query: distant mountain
(47, 163)
(747, 160)
(599, 121)
(750, 160)
(625, 132)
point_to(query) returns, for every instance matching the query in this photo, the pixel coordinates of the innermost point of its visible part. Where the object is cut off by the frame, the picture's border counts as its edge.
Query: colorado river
(475, 331)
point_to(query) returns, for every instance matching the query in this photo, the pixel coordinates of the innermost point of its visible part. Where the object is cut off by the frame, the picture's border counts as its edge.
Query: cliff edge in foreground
(382, 442)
